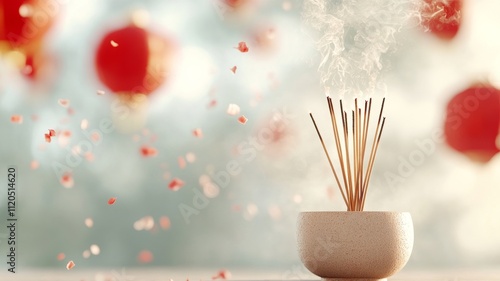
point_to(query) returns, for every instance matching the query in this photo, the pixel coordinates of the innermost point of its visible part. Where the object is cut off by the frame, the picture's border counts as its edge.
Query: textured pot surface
(359, 245)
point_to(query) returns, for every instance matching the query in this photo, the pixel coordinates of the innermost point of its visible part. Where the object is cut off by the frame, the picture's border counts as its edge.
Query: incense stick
(351, 151)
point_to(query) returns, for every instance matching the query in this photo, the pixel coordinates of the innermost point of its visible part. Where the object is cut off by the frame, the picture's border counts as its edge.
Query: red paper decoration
(442, 17)
(473, 121)
(132, 60)
(23, 23)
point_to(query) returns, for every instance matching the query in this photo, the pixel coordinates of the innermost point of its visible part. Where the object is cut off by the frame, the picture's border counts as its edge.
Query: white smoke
(353, 37)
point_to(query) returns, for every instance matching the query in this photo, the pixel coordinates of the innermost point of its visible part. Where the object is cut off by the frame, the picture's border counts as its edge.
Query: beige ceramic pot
(341, 246)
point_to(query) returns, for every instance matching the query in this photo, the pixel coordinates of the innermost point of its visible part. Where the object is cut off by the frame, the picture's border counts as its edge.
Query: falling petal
(242, 119)
(16, 119)
(111, 200)
(175, 184)
(242, 47)
(70, 265)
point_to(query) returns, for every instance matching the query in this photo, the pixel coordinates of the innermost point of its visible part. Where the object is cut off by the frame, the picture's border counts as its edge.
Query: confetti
(84, 124)
(222, 274)
(297, 198)
(164, 222)
(190, 157)
(16, 119)
(111, 200)
(175, 184)
(148, 151)
(145, 257)
(89, 222)
(330, 193)
(26, 10)
(145, 223)
(274, 212)
(86, 254)
(210, 190)
(287, 6)
(95, 250)
(63, 102)
(101, 92)
(181, 162)
(149, 222)
(198, 133)
(139, 225)
(242, 47)
(89, 156)
(52, 133)
(212, 103)
(233, 69)
(47, 138)
(252, 209)
(113, 43)
(70, 265)
(233, 109)
(242, 119)
(61, 256)
(34, 165)
(236, 208)
(95, 137)
(67, 180)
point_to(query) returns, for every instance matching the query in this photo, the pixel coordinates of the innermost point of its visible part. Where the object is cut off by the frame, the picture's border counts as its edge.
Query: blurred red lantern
(23, 23)
(473, 121)
(442, 17)
(132, 60)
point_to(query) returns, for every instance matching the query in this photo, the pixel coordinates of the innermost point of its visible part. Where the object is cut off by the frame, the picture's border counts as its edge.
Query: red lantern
(132, 60)
(442, 17)
(23, 23)
(473, 121)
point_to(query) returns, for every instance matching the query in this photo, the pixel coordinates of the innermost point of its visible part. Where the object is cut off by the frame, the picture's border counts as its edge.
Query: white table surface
(195, 274)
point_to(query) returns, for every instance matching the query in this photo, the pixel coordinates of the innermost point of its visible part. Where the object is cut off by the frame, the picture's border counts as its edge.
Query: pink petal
(242, 119)
(198, 133)
(16, 119)
(111, 200)
(242, 47)
(175, 184)
(148, 151)
(233, 109)
(63, 102)
(145, 257)
(70, 265)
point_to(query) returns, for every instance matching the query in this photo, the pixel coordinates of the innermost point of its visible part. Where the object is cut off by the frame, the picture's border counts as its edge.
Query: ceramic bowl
(354, 245)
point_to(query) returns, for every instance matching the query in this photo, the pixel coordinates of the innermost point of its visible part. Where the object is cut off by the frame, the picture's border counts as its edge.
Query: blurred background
(181, 134)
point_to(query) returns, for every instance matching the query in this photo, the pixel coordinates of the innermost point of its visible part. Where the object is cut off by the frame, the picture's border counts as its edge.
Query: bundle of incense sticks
(351, 149)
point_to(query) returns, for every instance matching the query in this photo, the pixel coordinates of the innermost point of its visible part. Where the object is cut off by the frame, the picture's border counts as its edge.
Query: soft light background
(251, 221)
